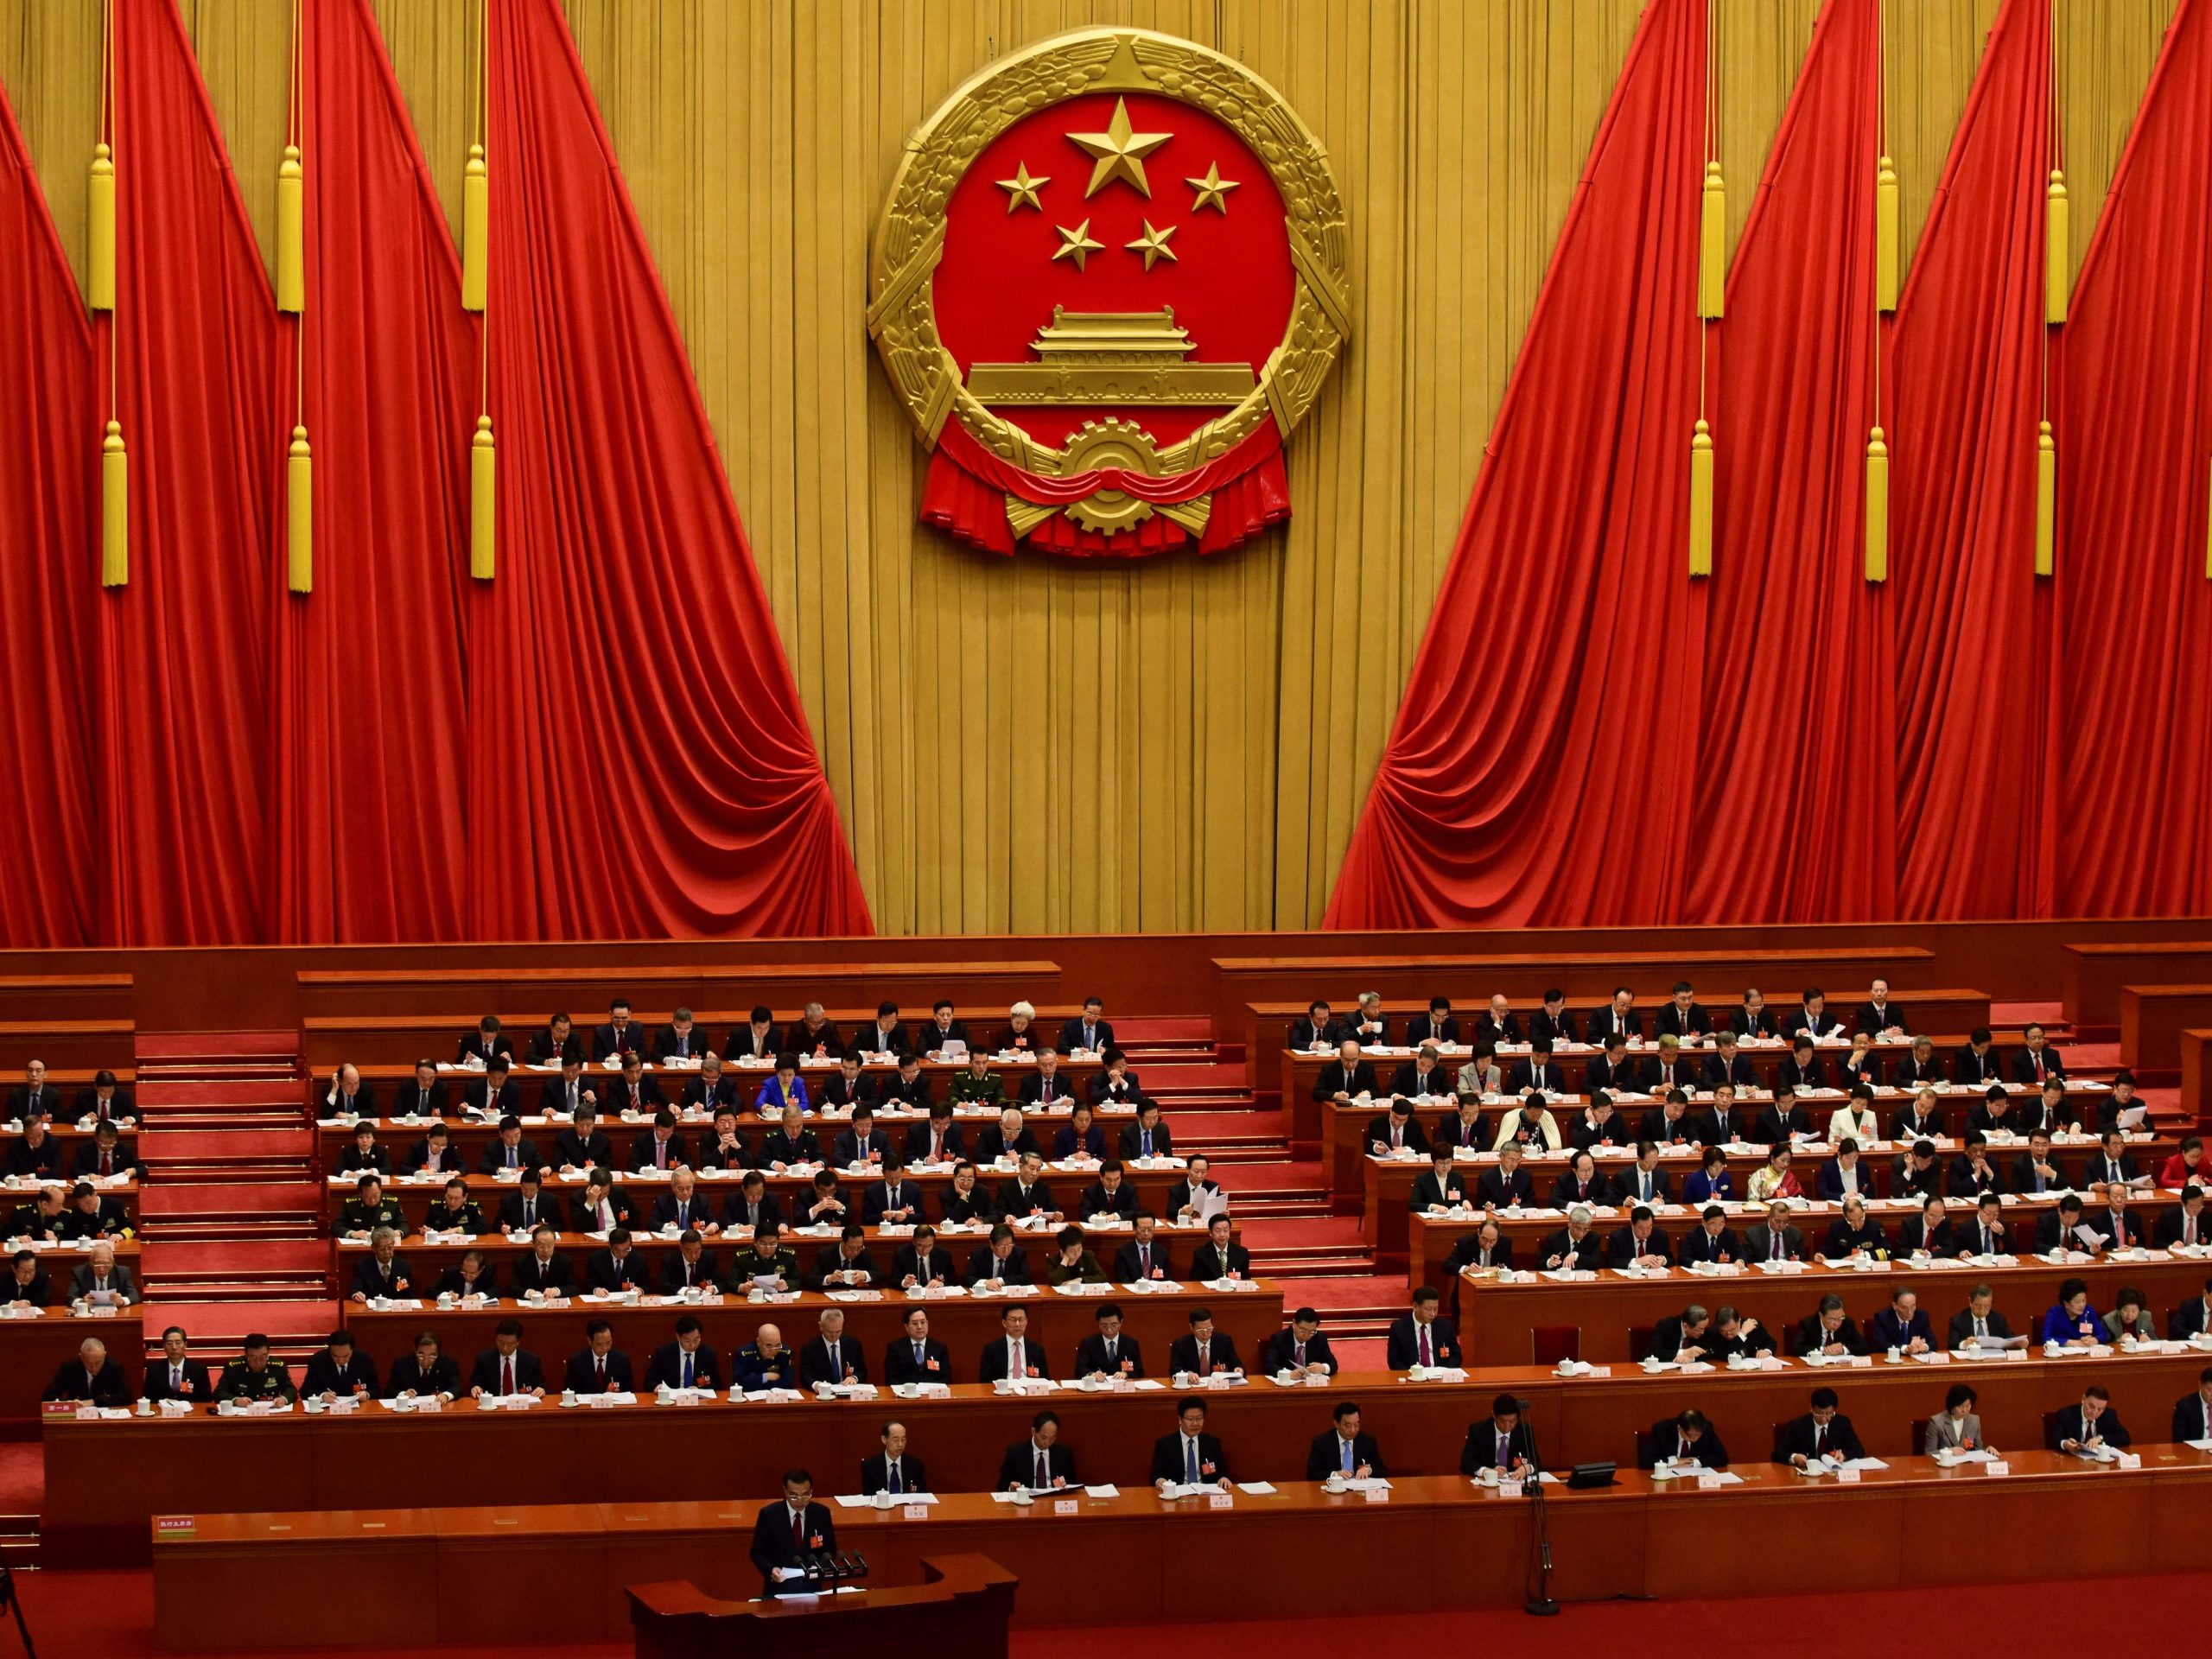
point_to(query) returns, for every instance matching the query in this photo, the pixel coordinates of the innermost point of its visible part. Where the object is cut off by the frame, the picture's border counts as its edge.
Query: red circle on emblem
(1230, 281)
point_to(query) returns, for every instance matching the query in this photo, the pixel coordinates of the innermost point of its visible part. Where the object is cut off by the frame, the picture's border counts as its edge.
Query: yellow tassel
(299, 518)
(1885, 237)
(1712, 244)
(2058, 261)
(483, 464)
(475, 231)
(1701, 499)
(99, 275)
(291, 234)
(115, 509)
(1878, 507)
(2046, 498)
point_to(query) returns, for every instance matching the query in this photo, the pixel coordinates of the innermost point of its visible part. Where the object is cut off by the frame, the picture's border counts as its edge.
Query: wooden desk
(1387, 1185)
(66, 1045)
(31, 1351)
(524, 1574)
(2152, 1021)
(2092, 973)
(1056, 1323)
(29, 997)
(103, 1481)
(1497, 1321)
(964, 1603)
(715, 1186)
(2196, 1075)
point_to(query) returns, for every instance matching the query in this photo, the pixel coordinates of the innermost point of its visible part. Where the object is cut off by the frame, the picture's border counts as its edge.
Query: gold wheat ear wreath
(1110, 277)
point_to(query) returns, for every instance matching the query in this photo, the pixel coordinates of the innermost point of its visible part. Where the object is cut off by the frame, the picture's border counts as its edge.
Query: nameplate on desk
(1220, 1501)
(1708, 1481)
(1847, 1476)
(2130, 1460)
(1066, 1506)
(915, 1511)
(1996, 1469)
(1505, 1488)
(1381, 1493)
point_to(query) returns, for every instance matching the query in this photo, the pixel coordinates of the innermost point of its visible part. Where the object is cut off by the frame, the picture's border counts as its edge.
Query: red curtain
(655, 774)
(1530, 776)
(372, 777)
(1795, 786)
(1976, 676)
(181, 665)
(2134, 599)
(48, 885)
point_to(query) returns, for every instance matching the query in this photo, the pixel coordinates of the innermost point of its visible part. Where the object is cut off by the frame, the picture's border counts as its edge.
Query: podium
(964, 1605)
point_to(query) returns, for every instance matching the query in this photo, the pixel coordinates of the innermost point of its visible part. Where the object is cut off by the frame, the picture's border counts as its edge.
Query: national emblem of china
(1108, 281)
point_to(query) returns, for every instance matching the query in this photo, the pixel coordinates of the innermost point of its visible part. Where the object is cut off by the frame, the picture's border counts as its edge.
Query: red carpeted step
(249, 1045)
(156, 1146)
(168, 1093)
(1299, 1178)
(219, 1325)
(246, 1258)
(1335, 1231)
(1163, 1028)
(157, 1200)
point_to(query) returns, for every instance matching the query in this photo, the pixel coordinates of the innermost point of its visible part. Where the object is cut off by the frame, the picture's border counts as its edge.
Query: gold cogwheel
(1110, 443)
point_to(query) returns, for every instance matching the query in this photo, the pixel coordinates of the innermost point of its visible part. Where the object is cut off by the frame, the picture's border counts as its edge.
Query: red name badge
(1206, 1468)
(1032, 1371)
(1128, 1365)
(932, 1365)
(814, 1540)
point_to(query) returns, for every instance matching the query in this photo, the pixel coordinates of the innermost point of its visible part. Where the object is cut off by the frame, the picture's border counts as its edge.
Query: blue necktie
(1346, 1445)
(1147, 1143)
(687, 1370)
(1190, 1462)
(895, 1475)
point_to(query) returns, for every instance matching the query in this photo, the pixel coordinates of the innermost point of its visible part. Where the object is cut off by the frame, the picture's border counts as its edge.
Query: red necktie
(799, 1532)
(107, 1163)
(507, 1375)
(1205, 1358)
(602, 1373)
(1427, 1356)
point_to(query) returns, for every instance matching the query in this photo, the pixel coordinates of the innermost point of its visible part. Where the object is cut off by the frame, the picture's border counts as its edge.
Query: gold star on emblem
(1021, 189)
(1213, 189)
(1075, 243)
(1118, 152)
(1152, 244)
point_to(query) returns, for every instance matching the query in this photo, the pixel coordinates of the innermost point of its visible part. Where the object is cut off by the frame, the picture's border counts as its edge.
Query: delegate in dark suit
(582, 1376)
(1168, 1461)
(875, 1475)
(1801, 1437)
(106, 1387)
(484, 1374)
(1326, 1457)
(325, 1375)
(1486, 1449)
(899, 1364)
(1091, 1357)
(778, 1543)
(666, 1366)
(1281, 1353)
(1666, 1441)
(1404, 1350)
(1995, 1325)
(192, 1384)
(2068, 1425)
(1018, 1466)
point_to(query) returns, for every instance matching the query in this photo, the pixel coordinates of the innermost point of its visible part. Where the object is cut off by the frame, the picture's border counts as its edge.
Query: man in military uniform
(44, 1216)
(253, 1375)
(368, 1210)
(764, 1258)
(978, 1084)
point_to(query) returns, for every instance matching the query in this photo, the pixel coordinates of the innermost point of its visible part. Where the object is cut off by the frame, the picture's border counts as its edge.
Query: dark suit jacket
(1588, 1256)
(488, 1282)
(667, 1366)
(875, 1475)
(900, 1366)
(494, 1158)
(1090, 1356)
(641, 1150)
(1014, 1270)
(411, 1100)
(1018, 1466)
(109, 1387)
(603, 1272)
(324, 1376)
(529, 1373)
(991, 1365)
(2192, 1418)
(1492, 1187)
(555, 1275)
(1404, 1348)
(1335, 1079)
(1426, 1028)
(1122, 1201)
(1967, 1067)
(1167, 1458)
(1221, 1354)
(1377, 1134)
(1071, 1036)
(673, 1278)
(1739, 1071)
(814, 1360)
(1665, 1440)
(1810, 1336)
(1622, 1248)
(1962, 1327)
(1698, 1245)
(742, 1045)
(1796, 1437)
(2023, 1066)
(1480, 1449)
(444, 1377)
(773, 1546)
(1209, 1263)
(1323, 1459)
(472, 1044)
(583, 1373)
(196, 1386)
(1521, 1077)
(1127, 1270)
(2066, 1425)
(1886, 1330)
(370, 1280)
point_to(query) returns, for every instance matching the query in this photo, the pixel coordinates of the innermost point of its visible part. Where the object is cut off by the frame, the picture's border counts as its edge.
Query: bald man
(91, 1377)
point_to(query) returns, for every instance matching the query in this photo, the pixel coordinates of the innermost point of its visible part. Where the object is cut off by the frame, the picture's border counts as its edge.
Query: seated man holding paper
(1979, 1325)
(1822, 1435)
(2090, 1427)
(790, 1533)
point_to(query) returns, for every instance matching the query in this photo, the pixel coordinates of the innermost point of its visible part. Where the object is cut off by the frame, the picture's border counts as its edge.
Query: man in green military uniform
(46, 1217)
(253, 1375)
(368, 1210)
(978, 1084)
(765, 1258)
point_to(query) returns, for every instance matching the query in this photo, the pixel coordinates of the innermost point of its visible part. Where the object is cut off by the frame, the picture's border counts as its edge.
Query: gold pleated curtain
(1018, 745)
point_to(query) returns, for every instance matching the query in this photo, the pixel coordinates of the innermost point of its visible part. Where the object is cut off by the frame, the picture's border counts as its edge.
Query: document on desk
(1102, 1491)
(1256, 1489)
(2202, 1446)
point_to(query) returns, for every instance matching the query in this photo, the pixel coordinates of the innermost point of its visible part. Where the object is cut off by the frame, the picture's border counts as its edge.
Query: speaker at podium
(964, 1605)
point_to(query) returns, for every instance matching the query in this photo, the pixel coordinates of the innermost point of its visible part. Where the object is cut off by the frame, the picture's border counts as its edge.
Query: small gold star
(1119, 152)
(1075, 243)
(1213, 189)
(1021, 189)
(1152, 244)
